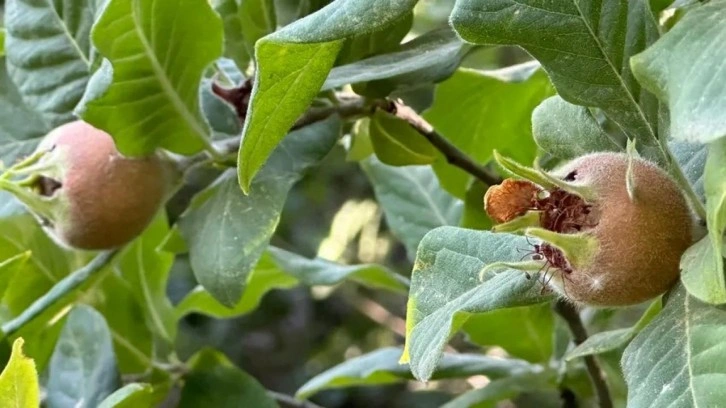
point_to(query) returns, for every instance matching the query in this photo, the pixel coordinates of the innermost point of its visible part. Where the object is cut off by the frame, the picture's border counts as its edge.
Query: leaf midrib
(166, 85)
(67, 33)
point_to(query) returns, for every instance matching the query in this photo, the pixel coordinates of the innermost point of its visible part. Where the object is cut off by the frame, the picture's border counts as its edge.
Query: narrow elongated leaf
(49, 53)
(83, 368)
(568, 131)
(130, 396)
(213, 381)
(693, 91)
(280, 269)
(428, 58)
(381, 367)
(19, 381)
(152, 98)
(479, 111)
(227, 232)
(703, 263)
(146, 271)
(446, 288)
(503, 388)
(292, 65)
(584, 46)
(20, 126)
(412, 200)
(677, 359)
(610, 340)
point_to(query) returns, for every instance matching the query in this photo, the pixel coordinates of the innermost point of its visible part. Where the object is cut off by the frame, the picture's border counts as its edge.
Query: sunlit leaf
(147, 97)
(292, 65)
(19, 381)
(130, 396)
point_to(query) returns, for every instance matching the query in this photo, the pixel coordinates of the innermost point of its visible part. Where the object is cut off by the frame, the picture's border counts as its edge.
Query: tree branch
(58, 291)
(453, 155)
(579, 335)
(289, 401)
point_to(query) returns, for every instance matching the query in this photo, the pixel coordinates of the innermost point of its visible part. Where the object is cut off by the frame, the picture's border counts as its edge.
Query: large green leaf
(677, 360)
(49, 53)
(146, 271)
(292, 65)
(19, 381)
(428, 58)
(479, 111)
(20, 126)
(9, 267)
(382, 367)
(280, 269)
(152, 99)
(227, 232)
(376, 42)
(703, 263)
(691, 158)
(82, 371)
(684, 69)
(585, 47)
(396, 143)
(446, 288)
(531, 338)
(412, 200)
(568, 131)
(213, 381)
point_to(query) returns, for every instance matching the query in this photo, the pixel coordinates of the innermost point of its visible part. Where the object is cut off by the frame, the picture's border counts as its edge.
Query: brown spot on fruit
(509, 200)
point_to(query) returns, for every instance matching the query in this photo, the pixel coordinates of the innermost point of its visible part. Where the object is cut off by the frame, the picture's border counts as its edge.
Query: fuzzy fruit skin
(640, 241)
(107, 199)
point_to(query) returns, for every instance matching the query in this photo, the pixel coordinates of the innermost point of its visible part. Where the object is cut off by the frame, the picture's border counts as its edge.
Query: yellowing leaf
(19, 381)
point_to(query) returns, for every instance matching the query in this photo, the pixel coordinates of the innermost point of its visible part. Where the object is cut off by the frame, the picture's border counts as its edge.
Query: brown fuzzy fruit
(638, 241)
(102, 200)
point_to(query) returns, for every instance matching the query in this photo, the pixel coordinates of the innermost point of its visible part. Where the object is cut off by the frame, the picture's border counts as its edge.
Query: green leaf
(227, 232)
(479, 111)
(382, 367)
(130, 396)
(603, 342)
(49, 53)
(412, 200)
(502, 389)
(292, 64)
(153, 100)
(21, 127)
(82, 371)
(313, 272)
(396, 143)
(446, 289)
(694, 91)
(584, 46)
(360, 144)
(703, 263)
(146, 271)
(245, 22)
(19, 381)
(3, 33)
(568, 131)
(430, 57)
(691, 158)
(280, 269)
(9, 267)
(675, 360)
(214, 381)
(531, 338)
(265, 277)
(376, 42)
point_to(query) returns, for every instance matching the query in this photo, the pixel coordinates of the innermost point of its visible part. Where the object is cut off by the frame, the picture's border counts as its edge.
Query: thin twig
(58, 291)
(289, 401)
(453, 155)
(579, 335)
